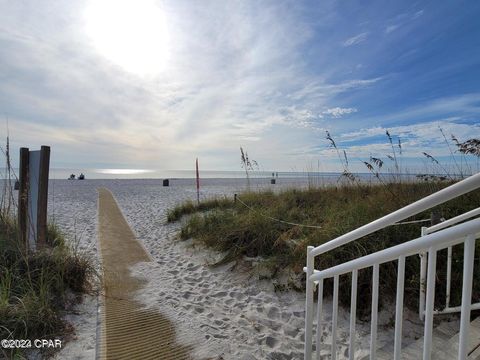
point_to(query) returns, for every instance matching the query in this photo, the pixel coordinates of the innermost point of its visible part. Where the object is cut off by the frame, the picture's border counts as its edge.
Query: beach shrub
(239, 230)
(190, 207)
(38, 288)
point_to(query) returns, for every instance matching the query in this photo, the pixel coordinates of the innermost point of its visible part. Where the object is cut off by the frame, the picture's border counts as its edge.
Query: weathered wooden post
(43, 196)
(198, 182)
(33, 197)
(23, 196)
(435, 217)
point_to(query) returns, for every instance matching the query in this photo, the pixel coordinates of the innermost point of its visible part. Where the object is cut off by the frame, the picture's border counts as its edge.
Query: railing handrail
(452, 221)
(450, 236)
(450, 192)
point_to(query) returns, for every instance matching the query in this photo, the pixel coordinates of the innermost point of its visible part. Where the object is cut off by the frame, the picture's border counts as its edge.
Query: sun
(129, 33)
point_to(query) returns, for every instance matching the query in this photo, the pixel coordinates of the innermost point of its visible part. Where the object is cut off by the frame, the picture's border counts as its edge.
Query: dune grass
(239, 231)
(37, 289)
(190, 207)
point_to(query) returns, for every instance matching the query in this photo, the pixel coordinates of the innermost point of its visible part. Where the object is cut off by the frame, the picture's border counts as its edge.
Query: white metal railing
(423, 265)
(437, 239)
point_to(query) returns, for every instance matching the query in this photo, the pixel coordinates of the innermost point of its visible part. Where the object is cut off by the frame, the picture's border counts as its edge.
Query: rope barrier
(312, 226)
(412, 222)
(275, 219)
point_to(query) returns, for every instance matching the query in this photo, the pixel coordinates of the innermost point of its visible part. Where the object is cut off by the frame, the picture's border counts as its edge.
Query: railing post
(468, 256)
(309, 305)
(423, 279)
(397, 352)
(319, 317)
(335, 317)
(373, 328)
(449, 276)
(353, 315)
(430, 304)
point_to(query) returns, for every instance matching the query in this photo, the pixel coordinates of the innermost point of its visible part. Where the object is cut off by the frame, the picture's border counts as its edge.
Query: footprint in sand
(187, 294)
(291, 331)
(271, 341)
(229, 302)
(273, 312)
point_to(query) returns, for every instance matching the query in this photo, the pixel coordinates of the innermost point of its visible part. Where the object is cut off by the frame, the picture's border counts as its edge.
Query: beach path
(128, 330)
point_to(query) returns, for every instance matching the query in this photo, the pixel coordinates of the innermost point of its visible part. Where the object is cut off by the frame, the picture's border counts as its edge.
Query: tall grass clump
(277, 227)
(190, 207)
(37, 288)
(238, 231)
(248, 165)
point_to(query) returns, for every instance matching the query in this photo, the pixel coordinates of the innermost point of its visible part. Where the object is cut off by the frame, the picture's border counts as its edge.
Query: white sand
(73, 207)
(224, 313)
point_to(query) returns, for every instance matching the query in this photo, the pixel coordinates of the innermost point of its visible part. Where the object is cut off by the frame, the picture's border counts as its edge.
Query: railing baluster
(373, 330)
(319, 317)
(468, 256)
(430, 303)
(397, 351)
(449, 276)
(335, 317)
(309, 305)
(353, 315)
(423, 279)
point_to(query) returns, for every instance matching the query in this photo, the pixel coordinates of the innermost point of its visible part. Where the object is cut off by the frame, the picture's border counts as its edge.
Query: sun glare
(129, 33)
(123, 171)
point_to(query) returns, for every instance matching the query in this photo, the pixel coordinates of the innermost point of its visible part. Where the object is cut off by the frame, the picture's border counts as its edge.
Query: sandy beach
(223, 312)
(380, 100)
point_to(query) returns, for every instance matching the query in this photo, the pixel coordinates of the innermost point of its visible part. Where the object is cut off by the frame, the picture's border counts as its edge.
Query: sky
(146, 84)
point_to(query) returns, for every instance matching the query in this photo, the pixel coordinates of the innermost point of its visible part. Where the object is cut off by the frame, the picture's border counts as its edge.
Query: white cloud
(391, 28)
(361, 144)
(417, 14)
(415, 138)
(357, 39)
(338, 112)
(321, 90)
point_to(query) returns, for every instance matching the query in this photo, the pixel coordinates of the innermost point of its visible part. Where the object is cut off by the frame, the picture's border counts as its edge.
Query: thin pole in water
(198, 182)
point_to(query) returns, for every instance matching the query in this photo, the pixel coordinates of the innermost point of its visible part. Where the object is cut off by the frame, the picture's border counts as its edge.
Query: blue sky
(155, 84)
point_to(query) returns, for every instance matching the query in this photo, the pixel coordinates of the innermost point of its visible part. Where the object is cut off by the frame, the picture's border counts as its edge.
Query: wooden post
(234, 198)
(198, 182)
(43, 197)
(435, 217)
(23, 197)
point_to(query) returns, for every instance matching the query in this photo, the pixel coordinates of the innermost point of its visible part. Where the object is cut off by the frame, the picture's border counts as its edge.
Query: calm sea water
(62, 173)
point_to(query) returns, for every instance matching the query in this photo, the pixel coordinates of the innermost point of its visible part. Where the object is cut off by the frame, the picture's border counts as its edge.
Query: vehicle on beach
(80, 177)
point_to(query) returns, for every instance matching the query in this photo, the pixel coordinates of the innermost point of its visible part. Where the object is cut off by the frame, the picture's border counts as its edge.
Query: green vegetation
(239, 231)
(37, 289)
(189, 207)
